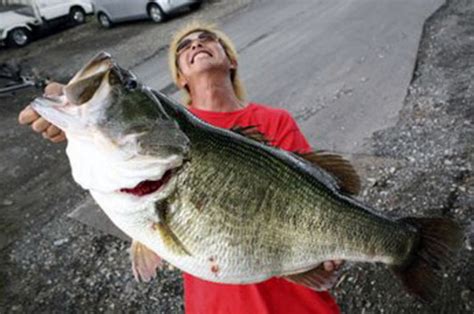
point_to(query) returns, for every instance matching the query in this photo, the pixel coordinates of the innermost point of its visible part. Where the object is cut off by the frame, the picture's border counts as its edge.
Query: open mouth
(198, 53)
(148, 186)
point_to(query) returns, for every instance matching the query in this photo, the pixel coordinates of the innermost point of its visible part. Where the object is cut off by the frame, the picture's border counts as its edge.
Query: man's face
(200, 52)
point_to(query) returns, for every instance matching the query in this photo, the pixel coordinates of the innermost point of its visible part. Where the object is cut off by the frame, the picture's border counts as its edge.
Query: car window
(26, 10)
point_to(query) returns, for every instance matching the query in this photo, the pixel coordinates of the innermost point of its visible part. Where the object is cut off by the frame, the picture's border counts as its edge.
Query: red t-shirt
(275, 295)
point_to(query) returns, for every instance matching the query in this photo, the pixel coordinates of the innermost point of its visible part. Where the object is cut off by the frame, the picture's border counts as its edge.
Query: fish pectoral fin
(347, 178)
(144, 262)
(170, 239)
(317, 278)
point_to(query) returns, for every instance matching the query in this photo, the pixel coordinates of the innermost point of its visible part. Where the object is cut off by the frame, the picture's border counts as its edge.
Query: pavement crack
(254, 41)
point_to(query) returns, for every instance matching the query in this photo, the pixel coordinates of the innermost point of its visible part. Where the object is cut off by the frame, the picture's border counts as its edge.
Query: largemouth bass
(220, 204)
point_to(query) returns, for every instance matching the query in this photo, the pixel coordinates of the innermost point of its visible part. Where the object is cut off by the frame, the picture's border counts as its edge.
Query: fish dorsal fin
(251, 132)
(341, 169)
(144, 262)
(317, 278)
(336, 165)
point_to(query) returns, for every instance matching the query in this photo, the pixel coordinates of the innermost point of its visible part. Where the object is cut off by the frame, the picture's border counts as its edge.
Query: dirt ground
(421, 166)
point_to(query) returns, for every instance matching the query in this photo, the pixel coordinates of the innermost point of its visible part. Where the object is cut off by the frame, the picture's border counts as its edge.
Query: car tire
(155, 13)
(77, 15)
(104, 20)
(19, 37)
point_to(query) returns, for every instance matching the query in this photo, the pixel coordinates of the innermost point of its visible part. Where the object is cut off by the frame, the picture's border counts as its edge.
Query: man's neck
(214, 93)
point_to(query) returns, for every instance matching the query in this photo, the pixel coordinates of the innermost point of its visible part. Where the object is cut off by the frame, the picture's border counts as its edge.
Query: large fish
(220, 204)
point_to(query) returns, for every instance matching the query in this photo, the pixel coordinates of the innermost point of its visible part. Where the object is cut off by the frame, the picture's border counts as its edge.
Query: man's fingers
(328, 266)
(40, 125)
(338, 263)
(58, 138)
(332, 265)
(54, 134)
(52, 131)
(27, 115)
(53, 89)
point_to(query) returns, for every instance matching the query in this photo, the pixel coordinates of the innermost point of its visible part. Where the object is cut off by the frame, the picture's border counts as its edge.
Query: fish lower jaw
(129, 207)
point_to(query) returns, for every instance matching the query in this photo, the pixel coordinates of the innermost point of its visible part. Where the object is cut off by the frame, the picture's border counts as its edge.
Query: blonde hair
(226, 43)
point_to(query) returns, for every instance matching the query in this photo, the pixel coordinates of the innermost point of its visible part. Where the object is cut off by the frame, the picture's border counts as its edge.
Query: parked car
(109, 12)
(18, 26)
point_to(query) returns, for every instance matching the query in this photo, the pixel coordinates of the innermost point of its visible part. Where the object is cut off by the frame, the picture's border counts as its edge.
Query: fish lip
(54, 110)
(198, 52)
(53, 99)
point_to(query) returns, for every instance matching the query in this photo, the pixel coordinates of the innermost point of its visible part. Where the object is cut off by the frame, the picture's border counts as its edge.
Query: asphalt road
(342, 67)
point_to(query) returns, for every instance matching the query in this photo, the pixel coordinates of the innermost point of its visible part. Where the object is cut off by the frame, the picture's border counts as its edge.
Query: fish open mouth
(148, 186)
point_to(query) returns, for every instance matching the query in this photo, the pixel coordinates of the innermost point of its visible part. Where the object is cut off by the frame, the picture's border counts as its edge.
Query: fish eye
(131, 84)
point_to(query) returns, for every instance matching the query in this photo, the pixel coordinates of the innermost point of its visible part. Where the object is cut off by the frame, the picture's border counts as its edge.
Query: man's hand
(330, 266)
(39, 124)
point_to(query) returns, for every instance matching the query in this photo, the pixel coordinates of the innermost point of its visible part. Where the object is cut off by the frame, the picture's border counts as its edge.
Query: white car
(18, 26)
(109, 12)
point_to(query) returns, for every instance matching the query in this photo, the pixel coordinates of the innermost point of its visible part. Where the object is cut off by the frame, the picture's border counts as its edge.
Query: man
(203, 63)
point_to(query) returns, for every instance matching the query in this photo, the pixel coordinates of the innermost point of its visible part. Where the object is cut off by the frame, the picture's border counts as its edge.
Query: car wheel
(104, 20)
(155, 13)
(77, 15)
(19, 37)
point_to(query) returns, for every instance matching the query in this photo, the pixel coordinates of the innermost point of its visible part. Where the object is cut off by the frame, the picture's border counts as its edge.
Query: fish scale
(255, 226)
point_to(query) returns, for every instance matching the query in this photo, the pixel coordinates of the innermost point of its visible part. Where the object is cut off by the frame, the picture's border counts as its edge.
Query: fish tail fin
(439, 241)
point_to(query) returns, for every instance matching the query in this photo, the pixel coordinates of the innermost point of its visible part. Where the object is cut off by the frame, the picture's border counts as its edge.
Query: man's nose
(196, 44)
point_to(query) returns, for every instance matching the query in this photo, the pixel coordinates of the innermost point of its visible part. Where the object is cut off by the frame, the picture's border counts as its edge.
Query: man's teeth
(201, 53)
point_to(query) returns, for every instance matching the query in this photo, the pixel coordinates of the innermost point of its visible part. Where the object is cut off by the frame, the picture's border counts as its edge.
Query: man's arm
(38, 123)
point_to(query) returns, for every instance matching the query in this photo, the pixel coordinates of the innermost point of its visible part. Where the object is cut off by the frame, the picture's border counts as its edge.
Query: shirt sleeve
(289, 136)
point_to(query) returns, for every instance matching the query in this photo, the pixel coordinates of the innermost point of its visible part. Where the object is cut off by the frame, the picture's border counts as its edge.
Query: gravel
(424, 165)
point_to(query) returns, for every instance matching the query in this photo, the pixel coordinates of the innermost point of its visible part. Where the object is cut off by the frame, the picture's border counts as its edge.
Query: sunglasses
(203, 37)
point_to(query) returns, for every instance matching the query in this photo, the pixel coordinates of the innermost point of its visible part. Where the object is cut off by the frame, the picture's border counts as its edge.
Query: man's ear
(182, 82)
(233, 64)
